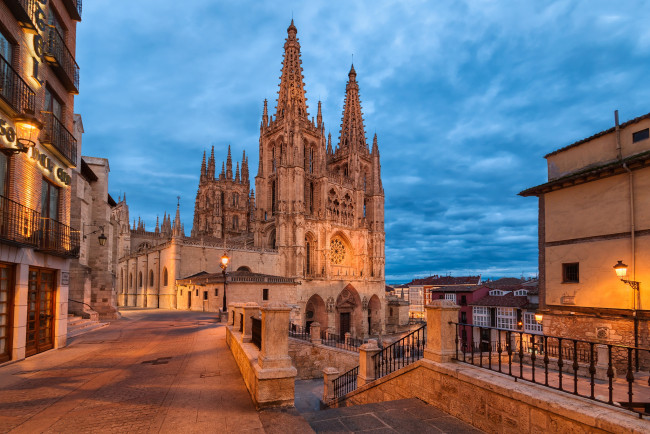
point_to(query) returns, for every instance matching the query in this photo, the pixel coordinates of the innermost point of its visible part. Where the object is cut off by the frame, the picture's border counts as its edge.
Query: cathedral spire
(210, 173)
(244, 169)
(265, 115)
(157, 230)
(319, 117)
(229, 165)
(237, 179)
(291, 96)
(329, 144)
(375, 147)
(223, 171)
(353, 134)
(177, 228)
(203, 169)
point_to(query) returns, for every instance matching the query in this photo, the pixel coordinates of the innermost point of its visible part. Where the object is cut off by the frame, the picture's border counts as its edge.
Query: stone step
(90, 326)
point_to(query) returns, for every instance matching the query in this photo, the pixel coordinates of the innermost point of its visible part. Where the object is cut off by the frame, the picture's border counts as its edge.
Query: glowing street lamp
(225, 260)
(621, 273)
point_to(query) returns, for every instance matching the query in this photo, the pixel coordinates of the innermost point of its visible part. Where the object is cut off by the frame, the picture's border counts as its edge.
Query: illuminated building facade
(38, 152)
(316, 217)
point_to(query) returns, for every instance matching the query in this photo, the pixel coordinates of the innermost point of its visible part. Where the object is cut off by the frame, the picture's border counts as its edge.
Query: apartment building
(39, 78)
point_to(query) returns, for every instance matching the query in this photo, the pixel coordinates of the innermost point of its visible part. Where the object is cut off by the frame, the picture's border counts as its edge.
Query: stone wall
(310, 359)
(494, 402)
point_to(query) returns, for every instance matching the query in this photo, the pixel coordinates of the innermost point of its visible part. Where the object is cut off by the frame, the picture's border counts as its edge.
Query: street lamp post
(621, 272)
(224, 264)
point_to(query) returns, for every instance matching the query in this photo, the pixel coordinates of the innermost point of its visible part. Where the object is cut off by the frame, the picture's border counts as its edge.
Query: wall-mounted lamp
(621, 273)
(27, 128)
(539, 317)
(101, 238)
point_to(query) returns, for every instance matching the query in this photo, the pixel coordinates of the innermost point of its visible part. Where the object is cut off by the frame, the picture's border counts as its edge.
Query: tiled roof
(389, 288)
(508, 300)
(436, 280)
(463, 288)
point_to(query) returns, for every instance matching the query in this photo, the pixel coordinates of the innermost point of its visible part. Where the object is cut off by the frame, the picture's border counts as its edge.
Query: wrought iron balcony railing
(62, 61)
(58, 239)
(59, 139)
(18, 224)
(23, 11)
(14, 90)
(74, 8)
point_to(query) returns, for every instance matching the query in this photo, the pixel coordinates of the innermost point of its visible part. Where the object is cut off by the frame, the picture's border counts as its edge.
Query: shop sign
(38, 42)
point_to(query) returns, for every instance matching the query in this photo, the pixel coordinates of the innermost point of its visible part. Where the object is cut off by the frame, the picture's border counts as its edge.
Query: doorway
(6, 310)
(344, 323)
(189, 299)
(40, 311)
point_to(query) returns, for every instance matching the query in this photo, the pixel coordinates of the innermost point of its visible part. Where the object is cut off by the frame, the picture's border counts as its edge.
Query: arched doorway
(348, 312)
(374, 316)
(315, 312)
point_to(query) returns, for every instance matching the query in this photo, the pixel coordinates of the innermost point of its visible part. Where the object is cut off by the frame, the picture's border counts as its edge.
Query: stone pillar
(366, 364)
(441, 335)
(238, 309)
(315, 332)
(250, 309)
(329, 375)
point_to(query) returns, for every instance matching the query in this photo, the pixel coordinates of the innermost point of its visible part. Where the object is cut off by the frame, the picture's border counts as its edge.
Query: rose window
(337, 251)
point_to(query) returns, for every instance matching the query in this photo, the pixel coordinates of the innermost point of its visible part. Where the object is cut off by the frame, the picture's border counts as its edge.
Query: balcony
(18, 224)
(74, 8)
(62, 61)
(23, 11)
(58, 139)
(58, 239)
(14, 91)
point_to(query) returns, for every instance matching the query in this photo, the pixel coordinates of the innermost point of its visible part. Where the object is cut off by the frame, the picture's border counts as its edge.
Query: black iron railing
(298, 332)
(346, 383)
(60, 57)
(58, 239)
(341, 341)
(59, 138)
(256, 332)
(14, 90)
(417, 321)
(18, 224)
(400, 353)
(241, 322)
(554, 361)
(24, 11)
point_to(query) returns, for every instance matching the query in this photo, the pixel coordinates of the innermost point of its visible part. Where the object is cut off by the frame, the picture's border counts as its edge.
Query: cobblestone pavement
(151, 371)
(402, 416)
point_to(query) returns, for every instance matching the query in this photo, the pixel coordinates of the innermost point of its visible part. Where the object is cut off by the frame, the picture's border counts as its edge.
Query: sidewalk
(151, 371)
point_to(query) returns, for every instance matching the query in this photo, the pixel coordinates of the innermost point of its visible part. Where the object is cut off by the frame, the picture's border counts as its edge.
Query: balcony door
(6, 310)
(53, 105)
(40, 311)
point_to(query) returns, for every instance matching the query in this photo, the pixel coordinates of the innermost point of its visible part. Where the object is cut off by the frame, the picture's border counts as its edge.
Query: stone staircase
(78, 325)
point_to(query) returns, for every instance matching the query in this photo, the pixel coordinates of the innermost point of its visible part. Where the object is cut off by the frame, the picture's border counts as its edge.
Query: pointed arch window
(165, 276)
(150, 277)
(311, 198)
(308, 257)
(140, 279)
(131, 280)
(235, 222)
(273, 198)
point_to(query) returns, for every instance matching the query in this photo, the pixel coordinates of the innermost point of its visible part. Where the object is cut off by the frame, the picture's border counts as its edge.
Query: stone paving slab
(401, 416)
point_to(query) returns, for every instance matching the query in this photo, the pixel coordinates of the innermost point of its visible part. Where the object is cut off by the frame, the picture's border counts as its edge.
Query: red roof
(508, 300)
(436, 280)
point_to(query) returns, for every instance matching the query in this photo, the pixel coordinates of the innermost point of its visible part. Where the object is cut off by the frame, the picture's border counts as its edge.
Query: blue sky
(466, 98)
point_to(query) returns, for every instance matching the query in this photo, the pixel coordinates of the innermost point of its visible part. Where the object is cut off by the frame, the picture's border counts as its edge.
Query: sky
(466, 98)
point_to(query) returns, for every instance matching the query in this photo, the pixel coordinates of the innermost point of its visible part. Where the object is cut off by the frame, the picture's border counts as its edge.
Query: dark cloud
(466, 98)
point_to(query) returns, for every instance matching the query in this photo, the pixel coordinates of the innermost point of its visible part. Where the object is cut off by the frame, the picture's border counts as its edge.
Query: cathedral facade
(316, 216)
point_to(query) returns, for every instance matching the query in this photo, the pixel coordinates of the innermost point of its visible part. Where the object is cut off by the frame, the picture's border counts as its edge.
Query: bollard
(329, 375)
(366, 365)
(441, 335)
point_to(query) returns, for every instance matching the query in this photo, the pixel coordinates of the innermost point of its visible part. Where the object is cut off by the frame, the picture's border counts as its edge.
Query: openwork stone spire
(291, 96)
(353, 134)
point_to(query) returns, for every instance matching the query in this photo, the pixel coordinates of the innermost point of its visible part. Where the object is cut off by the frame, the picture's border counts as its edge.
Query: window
(6, 51)
(150, 277)
(521, 292)
(3, 174)
(570, 273)
(53, 105)
(205, 295)
(640, 135)
(497, 292)
(49, 200)
(235, 222)
(506, 318)
(140, 279)
(481, 316)
(308, 258)
(197, 292)
(216, 292)
(463, 317)
(265, 294)
(235, 199)
(530, 325)
(463, 300)
(130, 280)
(273, 198)
(451, 297)
(165, 276)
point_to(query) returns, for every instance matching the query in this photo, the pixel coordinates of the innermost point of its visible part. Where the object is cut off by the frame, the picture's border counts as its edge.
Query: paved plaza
(170, 372)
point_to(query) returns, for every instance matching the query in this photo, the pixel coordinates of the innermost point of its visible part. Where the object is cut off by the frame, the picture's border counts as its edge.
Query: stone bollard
(366, 364)
(237, 309)
(603, 363)
(329, 375)
(441, 335)
(315, 332)
(250, 309)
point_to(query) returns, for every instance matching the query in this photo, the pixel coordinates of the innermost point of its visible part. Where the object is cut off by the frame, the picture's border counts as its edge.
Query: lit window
(530, 325)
